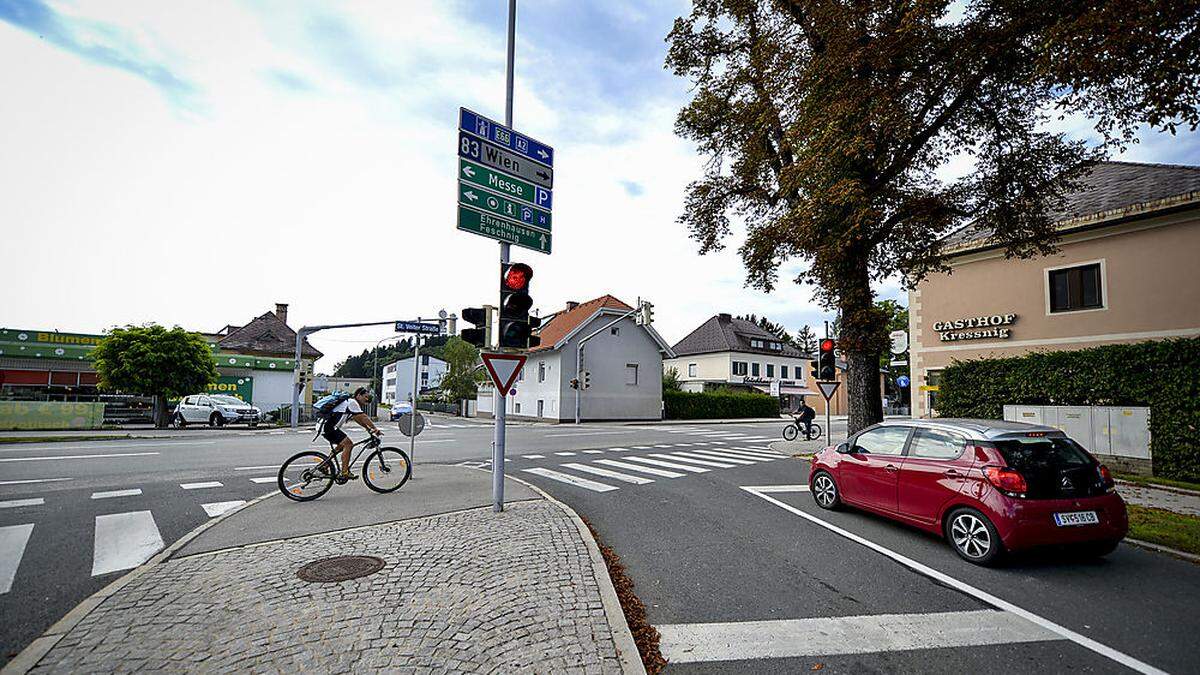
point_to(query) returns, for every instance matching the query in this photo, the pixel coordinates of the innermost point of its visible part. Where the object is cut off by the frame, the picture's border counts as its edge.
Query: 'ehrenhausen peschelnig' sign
(502, 229)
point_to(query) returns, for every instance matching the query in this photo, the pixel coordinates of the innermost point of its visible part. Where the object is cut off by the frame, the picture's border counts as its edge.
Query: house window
(541, 373)
(753, 370)
(517, 408)
(616, 330)
(739, 367)
(783, 372)
(631, 375)
(691, 370)
(756, 343)
(1076, 288)
(521, 375)
(777, 346)
(770, 370)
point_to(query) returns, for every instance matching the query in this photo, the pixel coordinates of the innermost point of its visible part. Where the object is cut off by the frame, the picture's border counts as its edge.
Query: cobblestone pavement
(1145, 495)
(470, 591)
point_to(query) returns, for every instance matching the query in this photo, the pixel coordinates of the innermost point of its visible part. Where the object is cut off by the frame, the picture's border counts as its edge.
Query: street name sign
(418, 327)
(476, 149)
(503, 229)
(503, 206)
(504, 184)
(495, 132)
(503, 369)
(827, 389)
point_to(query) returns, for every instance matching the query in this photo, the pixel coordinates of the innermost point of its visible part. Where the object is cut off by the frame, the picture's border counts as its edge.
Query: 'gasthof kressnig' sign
(975, 328)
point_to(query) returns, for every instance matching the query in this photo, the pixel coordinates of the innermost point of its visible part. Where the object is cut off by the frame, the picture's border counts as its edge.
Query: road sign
(774, 387)
(502, 229)
(903, 381)
(899, 341)
(503, 369)
(504, 184)
(419, 327)
(827, 389)
(503, 206)
(411, 424)
(478, 150)
(498, 133)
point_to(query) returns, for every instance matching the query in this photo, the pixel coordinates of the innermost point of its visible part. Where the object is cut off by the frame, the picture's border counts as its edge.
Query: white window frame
(634, 366)
(541, 371)
(1080, 263)
(692, 369)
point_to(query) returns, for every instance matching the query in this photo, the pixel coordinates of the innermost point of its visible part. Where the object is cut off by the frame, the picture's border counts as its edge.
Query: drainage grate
(340, 568)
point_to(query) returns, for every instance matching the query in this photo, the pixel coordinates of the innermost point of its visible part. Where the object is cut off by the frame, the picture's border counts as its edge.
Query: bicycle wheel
(789, 432)
(311, 476)
(814, 432)
(386, 470)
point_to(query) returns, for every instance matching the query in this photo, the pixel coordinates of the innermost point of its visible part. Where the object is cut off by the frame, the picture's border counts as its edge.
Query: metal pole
(412, 439)
(828, 401)
(578, 376)
(296, 381)
(500, 398)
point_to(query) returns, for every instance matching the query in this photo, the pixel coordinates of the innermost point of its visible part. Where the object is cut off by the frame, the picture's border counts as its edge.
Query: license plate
(1076, 518)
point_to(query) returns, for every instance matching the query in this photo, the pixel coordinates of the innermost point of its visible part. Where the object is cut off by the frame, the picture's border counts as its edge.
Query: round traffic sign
(902, 381)
(411, 424)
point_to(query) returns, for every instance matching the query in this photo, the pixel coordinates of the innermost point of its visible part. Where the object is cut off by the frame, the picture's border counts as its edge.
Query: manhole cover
(340, 568)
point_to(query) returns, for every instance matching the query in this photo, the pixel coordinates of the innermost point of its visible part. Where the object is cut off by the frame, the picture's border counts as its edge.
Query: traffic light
(587, 379)
(645, 315)
(828, 362)
(516, 326)
(574, 383)
(814, 369)
(481, 318)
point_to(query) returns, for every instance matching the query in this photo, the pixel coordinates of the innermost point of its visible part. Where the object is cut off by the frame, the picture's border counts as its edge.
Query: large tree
(833, 130)
(463, 375)
(156, 362)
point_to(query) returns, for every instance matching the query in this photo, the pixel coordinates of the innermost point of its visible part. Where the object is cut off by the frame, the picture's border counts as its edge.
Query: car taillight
(1006, 479)
(1106, 478)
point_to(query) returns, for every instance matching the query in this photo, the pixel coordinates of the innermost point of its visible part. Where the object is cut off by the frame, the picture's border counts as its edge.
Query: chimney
(571, 304)
(725, 318)
(281, 311)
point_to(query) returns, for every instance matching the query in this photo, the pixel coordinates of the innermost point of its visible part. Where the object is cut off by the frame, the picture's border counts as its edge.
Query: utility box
(1110, 431)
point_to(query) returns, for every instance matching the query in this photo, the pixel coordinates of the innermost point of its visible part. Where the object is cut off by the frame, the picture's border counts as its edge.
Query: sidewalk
(1177, 500)
(461, 589)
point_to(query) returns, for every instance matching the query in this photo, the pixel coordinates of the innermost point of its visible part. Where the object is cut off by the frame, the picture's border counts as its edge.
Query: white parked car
(215, 410)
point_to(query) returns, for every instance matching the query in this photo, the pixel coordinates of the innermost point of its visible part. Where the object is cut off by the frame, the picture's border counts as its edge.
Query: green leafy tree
(462, 378)
(829, 128)
(670, 380)
(771, 327)
(153, 361)
(806, 340)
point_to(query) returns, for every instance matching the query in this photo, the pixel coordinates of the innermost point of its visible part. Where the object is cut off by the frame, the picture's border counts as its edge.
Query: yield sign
(827, 388)
(503, 369)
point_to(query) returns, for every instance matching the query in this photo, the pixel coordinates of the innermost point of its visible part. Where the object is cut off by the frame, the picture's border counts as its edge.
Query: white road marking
(565, 454)
(256, 468)
(12, 548)
(641, 447)
(265, 479)
(590, 433)
(41, 459)
(666, 465)
(641, 469)
(619, 449)
(947, 580)
(681, 445)
(18, 503)
(665, 445)
(593, 452)
(217, 508)
(753, 454)
(819, 636)
(702, 462)
(571, 480)
(133, 492)
(729, 456)
(33, 480)
(717, 456)
(201, 486)
(636, 480)
(102, 445)
(534, 456)
(124, 541)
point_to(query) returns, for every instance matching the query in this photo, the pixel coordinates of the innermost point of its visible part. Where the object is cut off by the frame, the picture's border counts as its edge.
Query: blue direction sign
(501, 135)
(419, 327)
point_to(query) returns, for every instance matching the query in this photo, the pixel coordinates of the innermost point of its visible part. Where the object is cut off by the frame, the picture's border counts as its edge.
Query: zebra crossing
(606, 469)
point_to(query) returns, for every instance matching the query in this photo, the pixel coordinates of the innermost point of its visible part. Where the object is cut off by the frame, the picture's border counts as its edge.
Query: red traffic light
(827, 345)
(517, 276)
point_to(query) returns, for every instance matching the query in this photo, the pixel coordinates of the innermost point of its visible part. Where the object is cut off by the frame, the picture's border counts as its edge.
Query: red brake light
(1006, 479)
(1106, 477)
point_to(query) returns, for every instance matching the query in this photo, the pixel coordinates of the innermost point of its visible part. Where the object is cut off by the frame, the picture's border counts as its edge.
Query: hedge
(687, 405)
(1162, 374)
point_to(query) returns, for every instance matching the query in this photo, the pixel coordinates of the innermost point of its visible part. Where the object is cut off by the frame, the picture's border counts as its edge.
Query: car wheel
(216, 420)
(179, 421)
(1097, 549)
(825, 491)
(974, 537)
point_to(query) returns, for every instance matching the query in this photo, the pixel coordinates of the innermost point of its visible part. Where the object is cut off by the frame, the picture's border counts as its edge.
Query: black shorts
(333, 434)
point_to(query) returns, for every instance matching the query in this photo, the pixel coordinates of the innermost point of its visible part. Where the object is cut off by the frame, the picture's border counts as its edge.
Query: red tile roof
(563, 323)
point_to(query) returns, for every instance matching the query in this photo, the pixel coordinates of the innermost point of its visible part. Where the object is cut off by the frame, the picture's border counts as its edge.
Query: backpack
(325, 406)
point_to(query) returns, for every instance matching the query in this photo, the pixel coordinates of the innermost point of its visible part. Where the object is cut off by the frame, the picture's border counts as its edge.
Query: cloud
(633, 189)
(347, 51)
(288, 81)
(100, 43)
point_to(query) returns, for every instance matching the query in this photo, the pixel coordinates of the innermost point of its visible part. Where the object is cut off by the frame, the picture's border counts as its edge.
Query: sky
(193, 163)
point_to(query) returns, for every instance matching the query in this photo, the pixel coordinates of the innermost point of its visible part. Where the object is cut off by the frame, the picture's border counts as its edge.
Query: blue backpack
(325, 406)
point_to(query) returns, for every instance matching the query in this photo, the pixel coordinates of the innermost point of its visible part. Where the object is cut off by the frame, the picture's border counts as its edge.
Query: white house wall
(605, 356)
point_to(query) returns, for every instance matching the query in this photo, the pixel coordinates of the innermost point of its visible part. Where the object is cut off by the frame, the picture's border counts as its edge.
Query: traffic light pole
(829, 401)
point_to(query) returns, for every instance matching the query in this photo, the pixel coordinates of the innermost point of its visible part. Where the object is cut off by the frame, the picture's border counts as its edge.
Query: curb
(1190, 557)
(1156, 486)
(36, 650)
(627, 651)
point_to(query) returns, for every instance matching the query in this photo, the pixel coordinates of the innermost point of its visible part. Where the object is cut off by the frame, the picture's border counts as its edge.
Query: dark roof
(1109, 186)
(723, 333)
(561, 324)
(266, 335)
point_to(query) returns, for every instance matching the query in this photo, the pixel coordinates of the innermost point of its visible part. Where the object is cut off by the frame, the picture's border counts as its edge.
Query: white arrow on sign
(543, 154)
(470, 195)
(827, 388)
(503, 369)
(543, 242)
(468, 172)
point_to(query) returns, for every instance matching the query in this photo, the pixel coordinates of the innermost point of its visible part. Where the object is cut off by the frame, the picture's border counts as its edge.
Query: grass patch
(1154, 480)
(1159, 526)
(63, 439)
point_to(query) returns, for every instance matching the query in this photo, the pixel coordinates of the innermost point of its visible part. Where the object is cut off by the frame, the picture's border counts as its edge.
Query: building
(398, 378)
(327, 384)
(1126, 273)
(622, 359)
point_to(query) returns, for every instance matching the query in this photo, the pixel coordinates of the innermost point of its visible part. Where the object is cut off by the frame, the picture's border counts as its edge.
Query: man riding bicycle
(804, 415)
(331, 428)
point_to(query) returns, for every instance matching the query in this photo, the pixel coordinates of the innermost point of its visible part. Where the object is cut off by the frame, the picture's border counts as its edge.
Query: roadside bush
(685, 405)
(1162, 374)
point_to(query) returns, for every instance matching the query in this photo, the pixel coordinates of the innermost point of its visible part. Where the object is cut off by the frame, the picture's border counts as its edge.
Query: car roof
(975, 428)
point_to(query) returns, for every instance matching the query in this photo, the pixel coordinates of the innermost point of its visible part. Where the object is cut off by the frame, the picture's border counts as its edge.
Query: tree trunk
(862, 326)
(161, 415)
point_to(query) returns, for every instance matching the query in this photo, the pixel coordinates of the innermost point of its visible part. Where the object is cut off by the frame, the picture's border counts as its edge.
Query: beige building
(1128, 271)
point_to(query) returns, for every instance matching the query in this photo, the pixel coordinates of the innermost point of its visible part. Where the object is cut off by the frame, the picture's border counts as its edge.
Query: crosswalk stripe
(215, 509)
(534, 456)
(737, 452)
(33, 480)
(571, 480)
(201, 486)
(643, 469)
(640, 447)
(619, 449)
(12, 548)
(593, 452)
(665, 445)
(117, 493)
(18, 503)
(723, 455)
(715, 456)
(667, 465)
(124, 541)
(764, 453)
(265, 479)
(636, 480)
(565, 454)
(702, 462)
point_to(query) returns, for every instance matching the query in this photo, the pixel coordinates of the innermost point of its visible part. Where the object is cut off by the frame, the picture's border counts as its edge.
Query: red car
(987, 486)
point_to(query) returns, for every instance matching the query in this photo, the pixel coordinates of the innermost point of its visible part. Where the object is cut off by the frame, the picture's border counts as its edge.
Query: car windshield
(228, 400)
(1042, 452)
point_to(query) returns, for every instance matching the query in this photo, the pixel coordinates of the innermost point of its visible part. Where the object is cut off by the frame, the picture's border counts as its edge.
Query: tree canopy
(153, 361)
(462, 379)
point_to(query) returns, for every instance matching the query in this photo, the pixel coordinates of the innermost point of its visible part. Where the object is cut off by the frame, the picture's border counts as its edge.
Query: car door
(870, 470)
(933, 472)
(188, 408)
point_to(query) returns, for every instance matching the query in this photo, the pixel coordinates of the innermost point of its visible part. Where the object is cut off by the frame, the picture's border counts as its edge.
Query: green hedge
(1163, 374)
(686, 405)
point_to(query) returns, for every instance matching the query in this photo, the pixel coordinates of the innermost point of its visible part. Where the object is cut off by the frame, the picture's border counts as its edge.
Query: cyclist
(331, 429)
(804, 416)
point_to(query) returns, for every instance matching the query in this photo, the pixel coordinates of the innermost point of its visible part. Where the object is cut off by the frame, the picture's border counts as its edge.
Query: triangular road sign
(827, 388)
(503, 369)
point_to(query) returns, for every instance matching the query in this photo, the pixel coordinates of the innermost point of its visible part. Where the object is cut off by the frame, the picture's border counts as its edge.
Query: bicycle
(384, 470)
(791, 431)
